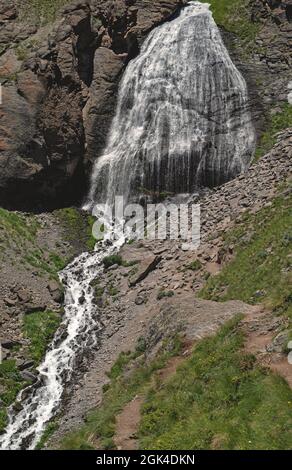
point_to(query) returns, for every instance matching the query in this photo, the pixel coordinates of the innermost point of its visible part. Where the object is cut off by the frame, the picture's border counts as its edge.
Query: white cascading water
(182, 119)
(78, 331)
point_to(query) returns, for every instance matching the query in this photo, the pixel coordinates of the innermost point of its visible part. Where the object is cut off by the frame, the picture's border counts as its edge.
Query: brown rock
(145, 267)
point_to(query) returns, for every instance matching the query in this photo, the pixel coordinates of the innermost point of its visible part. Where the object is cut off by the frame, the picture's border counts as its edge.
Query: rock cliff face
(59, 88)
(265, 63)
(60, 85)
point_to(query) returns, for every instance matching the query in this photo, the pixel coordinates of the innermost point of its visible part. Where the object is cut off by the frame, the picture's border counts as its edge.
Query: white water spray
(77, 333)
(182, 116)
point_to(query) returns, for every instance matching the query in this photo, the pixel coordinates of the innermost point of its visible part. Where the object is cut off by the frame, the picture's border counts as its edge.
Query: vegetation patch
(10, 385)
(25, 48)
(111, 260)
(218, 399)
(77, 226)
(276, 123)
(234, 16)
(194, 265)
(162, 294)
(18, 235)
(51, 428)
(100, 424)
(39, 328)
(261, 268)
(41, 11)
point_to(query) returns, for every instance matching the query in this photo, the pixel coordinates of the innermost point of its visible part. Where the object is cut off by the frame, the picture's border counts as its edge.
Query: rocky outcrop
(41, 153)
(266, 61)
(59, 88)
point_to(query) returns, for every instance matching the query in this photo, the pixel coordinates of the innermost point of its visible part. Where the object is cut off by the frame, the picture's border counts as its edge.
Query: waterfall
(182, 118)
(182, 121)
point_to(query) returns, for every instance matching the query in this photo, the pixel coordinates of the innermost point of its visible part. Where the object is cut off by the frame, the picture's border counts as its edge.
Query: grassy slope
(234, 16)
(100, 424)
(18, 236)
(219, 399)
(78, 227)
(277, 122)
(39, 328)
(10, 384)
(261, 268)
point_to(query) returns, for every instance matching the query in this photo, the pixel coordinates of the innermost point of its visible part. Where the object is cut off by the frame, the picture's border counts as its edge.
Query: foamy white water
(182, 116)
(78, 331)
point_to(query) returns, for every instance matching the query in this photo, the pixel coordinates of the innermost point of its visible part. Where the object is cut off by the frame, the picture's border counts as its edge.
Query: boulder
(142, 270)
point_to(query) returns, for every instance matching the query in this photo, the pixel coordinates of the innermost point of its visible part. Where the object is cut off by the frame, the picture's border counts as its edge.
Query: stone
(147, 265)
(24, 295)
(56, 291)
(9, 344)
(34, 307)
(28, 376)
(10, 302)
(23, 365)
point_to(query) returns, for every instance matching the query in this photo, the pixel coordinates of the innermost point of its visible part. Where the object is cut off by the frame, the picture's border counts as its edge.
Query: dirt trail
(127, 425)
(127, 422)
(261, 327)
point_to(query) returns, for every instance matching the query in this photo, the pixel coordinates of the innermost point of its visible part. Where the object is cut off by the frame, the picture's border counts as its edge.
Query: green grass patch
(16, 228)
(77, 226)
(25, 48)
(261, 268)
(111, 260)
(10, 385)
(234, 16)
(276, 123)
(219, 398)
(58, 262)
(125, 358)
(18, 235)
(39, 328)
(41, 11)
(162, 294)
(50, 429)
(194, 265)
(100, 424)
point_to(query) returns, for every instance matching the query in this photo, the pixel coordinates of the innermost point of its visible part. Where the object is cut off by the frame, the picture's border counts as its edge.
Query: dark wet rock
(23, 365)
(34, 307)
(9, 344)
(28, 376)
